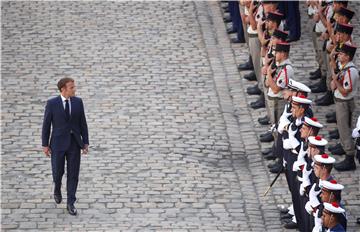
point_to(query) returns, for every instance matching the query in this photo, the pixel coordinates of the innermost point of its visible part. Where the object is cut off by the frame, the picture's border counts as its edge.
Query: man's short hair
(63, 81)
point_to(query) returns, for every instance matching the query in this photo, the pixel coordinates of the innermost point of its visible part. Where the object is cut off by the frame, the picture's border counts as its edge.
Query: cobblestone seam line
(226, 77)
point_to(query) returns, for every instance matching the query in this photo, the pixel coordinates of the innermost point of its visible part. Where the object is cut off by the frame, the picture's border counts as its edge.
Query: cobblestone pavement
(173, 144)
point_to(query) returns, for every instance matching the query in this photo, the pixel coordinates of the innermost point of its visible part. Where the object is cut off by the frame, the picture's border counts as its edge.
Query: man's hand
(85, 150)
(47, 151)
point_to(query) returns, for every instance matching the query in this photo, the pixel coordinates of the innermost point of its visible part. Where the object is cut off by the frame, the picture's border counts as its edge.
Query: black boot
(315, 75)
(246, 66)
(331, 119)
(250, 76)
(338, 151)
(264, 120)
(320, 86)
(260, 103)
(334, 134)
(330, 115)
(253, 90)
(347, 164)
(326, 100)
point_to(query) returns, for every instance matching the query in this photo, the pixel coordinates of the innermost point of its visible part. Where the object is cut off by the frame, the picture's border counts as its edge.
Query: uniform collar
(350, 63)
(287, 61)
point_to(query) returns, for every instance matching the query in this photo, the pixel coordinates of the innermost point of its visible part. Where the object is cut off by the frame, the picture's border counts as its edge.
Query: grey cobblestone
(174, 146)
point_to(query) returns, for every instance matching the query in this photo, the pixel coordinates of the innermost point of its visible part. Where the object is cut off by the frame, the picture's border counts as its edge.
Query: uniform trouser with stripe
(318, 44)
(294, 184)
(276, 108)
(344, 110)
(242, 11)
(254, 47)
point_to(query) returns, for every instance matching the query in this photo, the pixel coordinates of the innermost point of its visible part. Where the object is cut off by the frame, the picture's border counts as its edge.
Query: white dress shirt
(64, 103)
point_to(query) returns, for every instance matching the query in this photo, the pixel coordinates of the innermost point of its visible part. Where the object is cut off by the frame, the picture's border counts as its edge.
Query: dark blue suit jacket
(61, 128)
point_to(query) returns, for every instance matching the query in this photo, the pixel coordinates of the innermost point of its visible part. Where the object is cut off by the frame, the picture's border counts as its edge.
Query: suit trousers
(72, 157)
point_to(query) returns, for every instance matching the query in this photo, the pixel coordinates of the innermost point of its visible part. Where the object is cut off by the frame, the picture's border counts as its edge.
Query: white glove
(314, 201)
(297, 164)
(318, 222)
(283, 122)
(302, 153)
(355, 133)
(308, 208)
(302, 189)
(284, 163)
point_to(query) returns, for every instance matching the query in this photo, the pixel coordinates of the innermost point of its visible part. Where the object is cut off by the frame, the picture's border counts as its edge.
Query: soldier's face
(304, 131)
(343, 57)
(326, 218)
(325, 195)
(313, 151)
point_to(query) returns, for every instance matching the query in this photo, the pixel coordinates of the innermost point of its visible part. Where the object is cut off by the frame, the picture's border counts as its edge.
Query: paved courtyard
(173, 143)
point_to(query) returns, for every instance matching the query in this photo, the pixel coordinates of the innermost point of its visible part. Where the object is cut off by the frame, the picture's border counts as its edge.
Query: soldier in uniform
(291, 145)
(330, 217)
(344, 86)
(323, 165)
(331, 192)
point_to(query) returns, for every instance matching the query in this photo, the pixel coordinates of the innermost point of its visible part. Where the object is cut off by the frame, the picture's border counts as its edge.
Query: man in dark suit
(69, 135)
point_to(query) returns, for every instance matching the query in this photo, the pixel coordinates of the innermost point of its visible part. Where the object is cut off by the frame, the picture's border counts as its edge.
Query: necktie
(67, 110)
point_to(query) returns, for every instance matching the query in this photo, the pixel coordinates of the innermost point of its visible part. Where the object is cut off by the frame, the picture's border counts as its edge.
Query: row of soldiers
(299, 150)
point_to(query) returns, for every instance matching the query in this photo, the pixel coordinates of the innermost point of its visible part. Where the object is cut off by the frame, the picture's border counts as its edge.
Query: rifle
(273, 182)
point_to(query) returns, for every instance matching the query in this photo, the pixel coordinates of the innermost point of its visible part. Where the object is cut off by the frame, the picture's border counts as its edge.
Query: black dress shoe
(331, 120)
(250, 76)
(283, 210)
(267, 151)
(227, 19)
(347, 164)
(253, 90)
(271, 165)
(264, 120)
(291, 225)
(230, 31)
(236, 40)
(57, 198)
(266, 138)
(285, 216)
(246, 66)
(276, 169)
(270, 156)
(313, 73)
(71, 209)
(326, 100)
